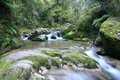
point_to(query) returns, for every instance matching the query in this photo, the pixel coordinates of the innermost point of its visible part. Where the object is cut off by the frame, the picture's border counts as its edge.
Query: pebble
(74, 67)
(43, 70)
(65, 67)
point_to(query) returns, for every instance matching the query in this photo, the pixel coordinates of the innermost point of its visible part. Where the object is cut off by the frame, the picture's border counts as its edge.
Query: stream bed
(67, 71)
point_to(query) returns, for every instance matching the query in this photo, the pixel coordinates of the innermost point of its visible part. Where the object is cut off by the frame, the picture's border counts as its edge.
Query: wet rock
(65, 67)
(85, 39)
(69, 63)
(53, 37)
(33, 35)
(38, 34)
(56, 61)
(74, 67)
(100, 51)
(22, 54)
(40, 38)
(82, 48)
(80, 65)
(25, 64)
(17, 73)
(109, 33)
(97, 41)
(58, 34)
(43, 70)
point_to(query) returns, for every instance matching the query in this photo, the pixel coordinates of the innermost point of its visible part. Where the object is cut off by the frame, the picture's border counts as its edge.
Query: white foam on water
(113, 72)
(56, 34)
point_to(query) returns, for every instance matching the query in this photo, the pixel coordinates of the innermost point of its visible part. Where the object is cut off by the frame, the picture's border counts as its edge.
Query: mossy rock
(53, 53)
(4, 66)
(110, 35)
(73, 56)
(76, 59)
(39, 61)
(78, 56)
(16, 74)
(56, 62)
(70, 35)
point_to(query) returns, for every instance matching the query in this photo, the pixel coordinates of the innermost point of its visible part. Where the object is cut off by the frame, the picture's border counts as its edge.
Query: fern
(10, 5)
(97, 22)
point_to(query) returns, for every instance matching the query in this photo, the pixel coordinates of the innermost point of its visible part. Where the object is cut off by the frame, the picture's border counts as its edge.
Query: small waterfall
(56, 35)
(113, 72)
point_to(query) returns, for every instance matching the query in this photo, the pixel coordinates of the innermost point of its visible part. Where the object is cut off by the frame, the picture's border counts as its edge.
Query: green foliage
(111, 6)
(86, 20)
(4, 66)
(86, 16)
(97, 22)
(9, 38)
(70, 35)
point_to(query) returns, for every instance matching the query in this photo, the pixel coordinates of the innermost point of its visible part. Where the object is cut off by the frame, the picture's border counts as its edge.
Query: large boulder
(35, 34)
(40, 38)
(110, 35)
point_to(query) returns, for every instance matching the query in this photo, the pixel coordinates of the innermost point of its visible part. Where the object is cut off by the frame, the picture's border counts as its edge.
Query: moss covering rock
(79, 58)
(39, 61)
(110, 35)
(70, 35)
(24, 68)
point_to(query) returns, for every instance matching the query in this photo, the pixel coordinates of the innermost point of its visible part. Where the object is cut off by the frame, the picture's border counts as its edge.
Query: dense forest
(75, 19)
(83, 16)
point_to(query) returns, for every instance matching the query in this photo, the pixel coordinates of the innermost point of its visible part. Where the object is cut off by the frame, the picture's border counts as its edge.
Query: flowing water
(113, 72)
(56, 35)
(55, 40)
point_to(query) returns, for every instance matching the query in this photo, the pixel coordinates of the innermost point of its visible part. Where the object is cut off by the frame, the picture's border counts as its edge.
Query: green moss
(70, 35)
(110, 36)
(11, 76)
(77, 56)
(39, 61)
(56, 62)
(16, 74)
(76, 59)
(53, 53)
(111, 28)
(4, 69)
(4, 66)
(71, 59)
(24, 31)
(89, 63)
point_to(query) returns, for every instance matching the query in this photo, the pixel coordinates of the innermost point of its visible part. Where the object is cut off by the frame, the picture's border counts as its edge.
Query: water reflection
(50, 44)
